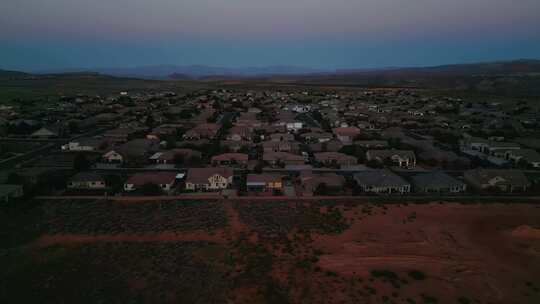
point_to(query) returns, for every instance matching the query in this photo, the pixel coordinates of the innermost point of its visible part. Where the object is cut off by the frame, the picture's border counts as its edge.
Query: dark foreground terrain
(269, 252)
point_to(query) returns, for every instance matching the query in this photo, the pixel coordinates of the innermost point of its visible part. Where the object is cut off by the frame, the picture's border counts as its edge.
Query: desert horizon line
(314, 69)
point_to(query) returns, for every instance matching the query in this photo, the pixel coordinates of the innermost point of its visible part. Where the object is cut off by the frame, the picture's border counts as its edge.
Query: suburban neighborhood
(234, 142)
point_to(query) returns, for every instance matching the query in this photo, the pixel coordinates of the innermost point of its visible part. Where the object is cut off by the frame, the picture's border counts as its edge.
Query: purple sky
(43, 34)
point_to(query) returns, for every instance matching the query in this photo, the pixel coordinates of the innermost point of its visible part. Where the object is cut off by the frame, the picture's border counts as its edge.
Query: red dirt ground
(479, 253)
(47, 240)
(464, 250)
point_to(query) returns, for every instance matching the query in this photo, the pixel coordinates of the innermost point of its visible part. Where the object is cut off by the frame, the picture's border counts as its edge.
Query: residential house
(162, 132)
(329, 146)
(283, 158)
(281, 146)
(271, 129)
(335, 159)
(499, 149)
(248, 120)
(529, 156)
(330, 183)
(372, 144)
(137, 150)
(84, 145)
(401, 158)
(119, 135)
(346, 134)
(113, 157)
(165, 180)
(86, 181)
(264, 182)
(299, 108)
(439, 156)
(254, 110)
(209, 179)
(381, 182)
(45, 132)
(240, 133)
(486, 146)
(236, 146)
(281, 137)
(230, 159)
(317, 137)
(437, 182)
(207, 131)
(174, 155)
(502, 180)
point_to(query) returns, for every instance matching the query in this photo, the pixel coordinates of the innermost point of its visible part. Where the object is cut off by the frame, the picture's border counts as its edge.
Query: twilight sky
(50, 34)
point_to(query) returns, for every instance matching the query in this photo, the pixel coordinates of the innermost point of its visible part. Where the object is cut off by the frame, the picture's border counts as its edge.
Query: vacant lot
(106, 217)
(273, 252)
(116, 272)
(282, 217)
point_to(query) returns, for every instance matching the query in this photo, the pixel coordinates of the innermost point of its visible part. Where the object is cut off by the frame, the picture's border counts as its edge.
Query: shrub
(417, 275)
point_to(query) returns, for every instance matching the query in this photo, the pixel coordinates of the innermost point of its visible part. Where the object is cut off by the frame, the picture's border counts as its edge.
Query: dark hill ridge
(486, 68)
(520, 66)
(192, 71)
(505, 78)
(5, 74)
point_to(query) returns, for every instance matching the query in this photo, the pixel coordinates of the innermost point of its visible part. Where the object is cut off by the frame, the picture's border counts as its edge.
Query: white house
(209, 179)
(113, 157)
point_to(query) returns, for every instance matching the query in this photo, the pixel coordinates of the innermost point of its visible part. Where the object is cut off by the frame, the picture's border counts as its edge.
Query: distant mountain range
(191, 71)
(482, 68)
(204, 71)
(511, 78)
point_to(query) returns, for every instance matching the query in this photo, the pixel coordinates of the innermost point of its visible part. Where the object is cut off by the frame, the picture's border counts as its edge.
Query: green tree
(322, 189)
(81, 163)
(150, 189)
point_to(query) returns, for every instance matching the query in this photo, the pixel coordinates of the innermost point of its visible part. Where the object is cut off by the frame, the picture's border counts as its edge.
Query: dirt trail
(236, 226)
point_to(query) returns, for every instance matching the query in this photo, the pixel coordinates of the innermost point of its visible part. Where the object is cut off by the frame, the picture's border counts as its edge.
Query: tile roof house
(137, 150)
(247, 119)
(265, 182)
(530, 156)
(401, 158)
(47, 132)
(119, 134)
(169, 156)
(281, 146)
(209, 179)
(283, 158)
(441, 156)
(236, 146)
(281, 137)
(346, 134)
(230, 159)
(316, 137)
(499, 148)
(437, 182)
(335, 159)
(382, 182)
(113, 157)
(371, 144)
(272, 129)
(207, 130)
(86, 181)
(84, 144)
(311, 182)
(329, 146)
(165, 180)
(503, 180)
(239, 133)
